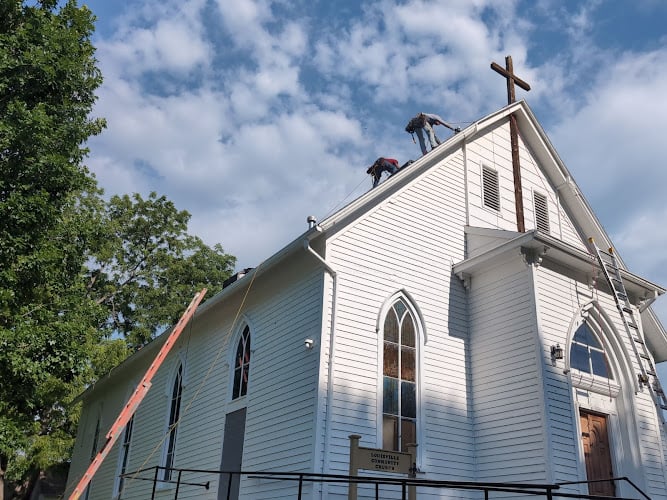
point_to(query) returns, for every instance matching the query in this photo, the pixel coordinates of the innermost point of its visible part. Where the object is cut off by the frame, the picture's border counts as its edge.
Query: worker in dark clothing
(388, 165)
(425, 121)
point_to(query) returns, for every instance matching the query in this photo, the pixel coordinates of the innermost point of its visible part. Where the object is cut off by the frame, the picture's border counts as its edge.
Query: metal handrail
(548, 491)
(624, 478)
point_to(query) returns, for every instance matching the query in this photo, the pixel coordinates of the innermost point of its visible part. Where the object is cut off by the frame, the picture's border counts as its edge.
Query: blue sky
(254, 114)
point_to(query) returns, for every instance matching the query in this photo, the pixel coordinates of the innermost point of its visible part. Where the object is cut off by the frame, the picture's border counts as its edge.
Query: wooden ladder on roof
(647, 377)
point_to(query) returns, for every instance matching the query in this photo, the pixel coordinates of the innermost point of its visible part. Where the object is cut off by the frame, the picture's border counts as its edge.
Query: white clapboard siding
(407, 243)
(283, 377)
(494, 151)
(505, 380)
(282, 392)
(560, 299)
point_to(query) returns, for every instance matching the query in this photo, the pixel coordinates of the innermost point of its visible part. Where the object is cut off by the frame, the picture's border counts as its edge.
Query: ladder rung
(632, 325)
(644, 356)
(664, 407)
(627, 310)
(638, 340)
(650, 372)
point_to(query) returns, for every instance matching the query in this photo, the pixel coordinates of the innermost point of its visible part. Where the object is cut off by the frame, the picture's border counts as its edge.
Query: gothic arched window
(587, 353)
(242, 365)
(399, 388)
(172, 429)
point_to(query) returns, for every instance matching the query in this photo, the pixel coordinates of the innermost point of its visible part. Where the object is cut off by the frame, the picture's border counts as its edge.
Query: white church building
(418, 314)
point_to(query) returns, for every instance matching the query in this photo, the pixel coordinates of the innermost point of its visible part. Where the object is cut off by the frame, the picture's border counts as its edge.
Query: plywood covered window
(587, 354)
(399, 390)
(541, 212)
(174, 417)
(490, 188)
(242, 365)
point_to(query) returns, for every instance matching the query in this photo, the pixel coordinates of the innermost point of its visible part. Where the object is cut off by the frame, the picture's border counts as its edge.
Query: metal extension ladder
(648, 376)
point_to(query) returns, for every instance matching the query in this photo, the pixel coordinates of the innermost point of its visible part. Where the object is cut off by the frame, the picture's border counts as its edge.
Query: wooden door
(597, 453)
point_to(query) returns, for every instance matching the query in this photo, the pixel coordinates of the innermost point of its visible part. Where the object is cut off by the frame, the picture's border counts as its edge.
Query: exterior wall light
(556, 352)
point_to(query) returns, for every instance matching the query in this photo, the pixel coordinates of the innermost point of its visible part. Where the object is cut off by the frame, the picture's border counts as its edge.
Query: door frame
(610, 448)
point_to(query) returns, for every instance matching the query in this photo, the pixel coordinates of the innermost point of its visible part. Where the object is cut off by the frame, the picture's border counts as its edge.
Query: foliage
(47, 82)
(82, 281)
(147, 268)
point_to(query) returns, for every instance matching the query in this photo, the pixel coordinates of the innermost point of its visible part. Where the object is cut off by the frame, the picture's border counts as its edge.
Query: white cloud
(173, 41)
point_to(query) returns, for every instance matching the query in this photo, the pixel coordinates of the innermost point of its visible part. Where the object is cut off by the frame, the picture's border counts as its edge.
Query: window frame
(123, 457)
(420, 341)
(94, 448)
(124, 450)
(245, 365)
(178, 371)
(241, 401)
(588, 380)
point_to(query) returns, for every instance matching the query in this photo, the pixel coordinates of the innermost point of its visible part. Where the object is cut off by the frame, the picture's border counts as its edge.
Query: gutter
(332, 344)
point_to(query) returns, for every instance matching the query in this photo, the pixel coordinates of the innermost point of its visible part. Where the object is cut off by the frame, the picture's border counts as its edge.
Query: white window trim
(420, 331)
(119, 461)
(241, 401)
(169, 386)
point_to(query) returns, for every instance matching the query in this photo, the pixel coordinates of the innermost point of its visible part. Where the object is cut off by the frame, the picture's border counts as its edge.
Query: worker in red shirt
(388, 165)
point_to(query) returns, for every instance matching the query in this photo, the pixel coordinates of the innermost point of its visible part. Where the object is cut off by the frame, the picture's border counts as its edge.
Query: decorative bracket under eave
(533, 256)
(465, 279)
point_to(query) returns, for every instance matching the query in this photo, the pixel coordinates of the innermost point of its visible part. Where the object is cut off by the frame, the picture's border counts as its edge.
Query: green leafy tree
(82, 281)
(47, 82)
(147, 268)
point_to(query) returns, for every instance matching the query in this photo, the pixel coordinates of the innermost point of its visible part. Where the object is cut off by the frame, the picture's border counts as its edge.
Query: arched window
(399, 388)
(587, 354)
(172, 429)
(93, 453)
(242, 365)
(123, 458)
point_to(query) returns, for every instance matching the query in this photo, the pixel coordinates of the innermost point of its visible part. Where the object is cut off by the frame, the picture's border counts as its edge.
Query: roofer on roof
(388, 165)
(425, 121)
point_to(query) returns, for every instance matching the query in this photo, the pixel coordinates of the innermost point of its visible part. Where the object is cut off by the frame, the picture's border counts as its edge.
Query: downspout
(327, 416)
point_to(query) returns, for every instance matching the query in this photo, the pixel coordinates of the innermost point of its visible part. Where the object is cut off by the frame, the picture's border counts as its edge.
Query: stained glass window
(399, 389)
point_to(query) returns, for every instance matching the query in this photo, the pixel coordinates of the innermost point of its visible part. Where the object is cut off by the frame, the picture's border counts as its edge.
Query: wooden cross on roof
(508, 73)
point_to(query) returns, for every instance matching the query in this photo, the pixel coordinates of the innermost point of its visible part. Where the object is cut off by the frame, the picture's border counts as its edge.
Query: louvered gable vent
(490, 187)
(541, 212)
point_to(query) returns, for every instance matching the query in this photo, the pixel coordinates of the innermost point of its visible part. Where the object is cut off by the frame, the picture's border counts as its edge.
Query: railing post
(178, 484)
(412, 489)
(354, 469)
(229, 484)
(157, 471)
(377, 491)
(300, 485)
(486, 494)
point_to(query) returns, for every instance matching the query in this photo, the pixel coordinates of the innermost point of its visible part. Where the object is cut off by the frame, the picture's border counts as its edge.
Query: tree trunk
(3, 470)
